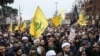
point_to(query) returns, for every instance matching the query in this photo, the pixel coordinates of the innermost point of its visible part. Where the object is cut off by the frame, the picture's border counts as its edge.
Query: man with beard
(26, 45)
(65, 50)
(16, 44)
(2, 50)
(40, 50)
(18, 52)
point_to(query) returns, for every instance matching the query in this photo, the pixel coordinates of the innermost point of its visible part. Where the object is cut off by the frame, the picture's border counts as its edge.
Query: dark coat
(62, 54)
(10, 52)
(94, 53)
(26, 48)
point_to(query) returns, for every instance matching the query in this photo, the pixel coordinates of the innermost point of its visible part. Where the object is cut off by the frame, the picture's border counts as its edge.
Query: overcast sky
(28, 7)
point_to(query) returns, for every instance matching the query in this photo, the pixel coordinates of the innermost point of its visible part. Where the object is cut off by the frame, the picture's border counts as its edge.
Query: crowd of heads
(54, 41)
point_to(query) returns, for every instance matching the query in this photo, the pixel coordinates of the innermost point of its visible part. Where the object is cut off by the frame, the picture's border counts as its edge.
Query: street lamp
(56, 7)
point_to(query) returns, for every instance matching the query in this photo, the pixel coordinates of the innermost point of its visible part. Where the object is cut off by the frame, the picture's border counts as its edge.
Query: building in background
(91, 10)
(67, 19)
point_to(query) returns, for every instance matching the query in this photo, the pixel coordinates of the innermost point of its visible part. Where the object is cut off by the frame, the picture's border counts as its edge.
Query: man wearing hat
(40, 49)
(26, 45)
(51, 53)
(65, 50)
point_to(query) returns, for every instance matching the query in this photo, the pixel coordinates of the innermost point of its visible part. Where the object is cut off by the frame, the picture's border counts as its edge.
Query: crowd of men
(54, 41)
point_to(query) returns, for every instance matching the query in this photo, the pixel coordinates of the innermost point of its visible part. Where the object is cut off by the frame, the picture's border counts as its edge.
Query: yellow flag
(61, 11)
(81, 20)
(31, 30)
(57, 20)
(38, 24)
(18, 26)
(23, 26)
(10, 27)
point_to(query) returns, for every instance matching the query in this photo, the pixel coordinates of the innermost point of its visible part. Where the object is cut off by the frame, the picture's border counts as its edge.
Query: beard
(1, 54)
(18, 55)
(67, 52)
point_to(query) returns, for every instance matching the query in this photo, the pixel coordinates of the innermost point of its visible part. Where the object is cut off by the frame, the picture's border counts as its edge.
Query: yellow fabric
(18, 26)
(10, 27)
(23, 26)
(57, 20)
(31, 30)
(81, 20)
(61, 11)
(38, 24)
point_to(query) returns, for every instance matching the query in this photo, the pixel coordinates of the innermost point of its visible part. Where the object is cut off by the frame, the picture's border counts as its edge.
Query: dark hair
(7, 44)
(16, 49)
(15, 42)
(1, 44)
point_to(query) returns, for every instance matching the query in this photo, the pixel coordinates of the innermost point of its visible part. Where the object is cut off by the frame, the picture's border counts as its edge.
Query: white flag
(72, 34)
